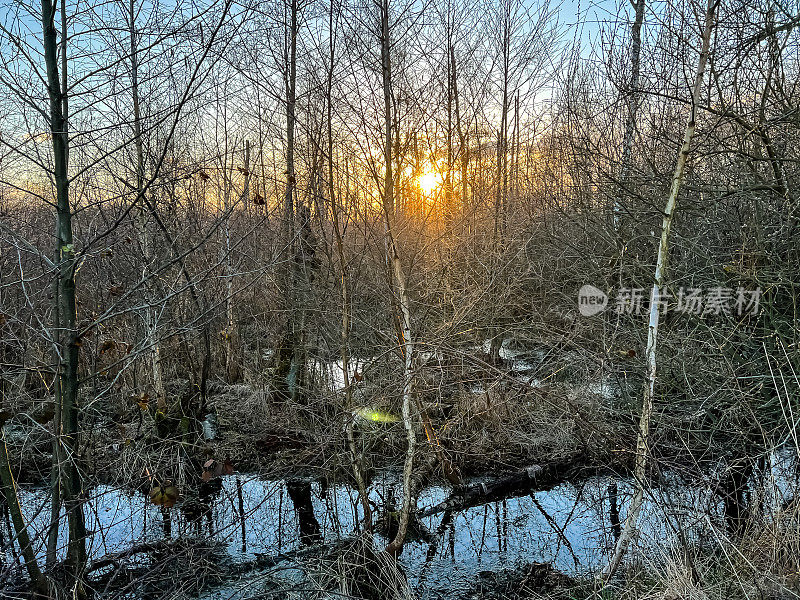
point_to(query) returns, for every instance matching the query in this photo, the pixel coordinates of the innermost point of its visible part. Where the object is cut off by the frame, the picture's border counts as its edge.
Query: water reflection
(300, 494)
(573, 526)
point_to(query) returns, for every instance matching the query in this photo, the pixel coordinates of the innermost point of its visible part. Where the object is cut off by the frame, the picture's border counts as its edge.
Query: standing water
(254, 523)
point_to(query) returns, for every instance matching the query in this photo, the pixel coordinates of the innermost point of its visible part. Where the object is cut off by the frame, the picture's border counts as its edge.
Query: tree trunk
(9, 492)
(151, 340)
(523, 482)
(67, 335)
(404, 316)
(355, 456)
(462, 138)
(58, 452)
(501, 197)
(232, 370)
(449, 211)
(633, 106)
(290, 367)
(642, 449)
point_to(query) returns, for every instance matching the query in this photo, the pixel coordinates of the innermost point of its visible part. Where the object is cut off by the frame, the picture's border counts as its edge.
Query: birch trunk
(642, 449)
(404, 316)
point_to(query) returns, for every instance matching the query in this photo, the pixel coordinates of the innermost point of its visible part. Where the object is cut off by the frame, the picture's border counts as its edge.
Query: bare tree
(642, 448)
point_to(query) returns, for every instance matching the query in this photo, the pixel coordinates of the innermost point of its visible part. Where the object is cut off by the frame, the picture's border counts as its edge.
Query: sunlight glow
(375, 415)
(429, 181)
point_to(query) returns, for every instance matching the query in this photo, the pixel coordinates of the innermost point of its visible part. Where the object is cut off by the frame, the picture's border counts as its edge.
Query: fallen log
(168, 548)
(321, 548)
(535, 477)
(114, 558)
(260, 560)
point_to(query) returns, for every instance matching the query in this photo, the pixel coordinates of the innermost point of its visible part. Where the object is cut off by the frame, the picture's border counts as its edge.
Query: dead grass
(361, 571)
(507, 427)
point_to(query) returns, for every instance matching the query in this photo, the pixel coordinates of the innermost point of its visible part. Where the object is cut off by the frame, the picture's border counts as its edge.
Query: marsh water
(265, 534)
(572, 526)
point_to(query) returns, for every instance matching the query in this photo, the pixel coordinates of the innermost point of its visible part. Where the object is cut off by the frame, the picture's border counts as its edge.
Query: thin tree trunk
(58, 453)
(517, 143)
(58, 461)
(67, 306)
(462, 139)
(501, 199)
(448, 180)
(290, 370)
(232, 369)
(9, 490)
(501, 190)
(355, 456)
(633, 105)
(404, 316)
(642, 449)
(150, 320)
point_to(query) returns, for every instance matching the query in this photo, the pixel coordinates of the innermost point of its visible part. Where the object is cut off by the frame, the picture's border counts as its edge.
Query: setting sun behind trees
(429, 180)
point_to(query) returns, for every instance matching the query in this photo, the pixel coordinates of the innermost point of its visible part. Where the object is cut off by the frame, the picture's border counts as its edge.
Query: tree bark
(356, 459)
(633, 106)
(9, 492)
(404, 315)
(642, 449)
(67, 335)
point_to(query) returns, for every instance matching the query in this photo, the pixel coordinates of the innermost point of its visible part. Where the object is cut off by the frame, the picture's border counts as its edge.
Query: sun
(429, 181)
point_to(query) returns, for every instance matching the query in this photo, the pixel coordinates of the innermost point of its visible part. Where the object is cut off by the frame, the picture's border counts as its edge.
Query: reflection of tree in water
(193, 502)
(199, 505)
(613, 508)
(300, 495)
(602, 500)
(388, 522)
(568, 522)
